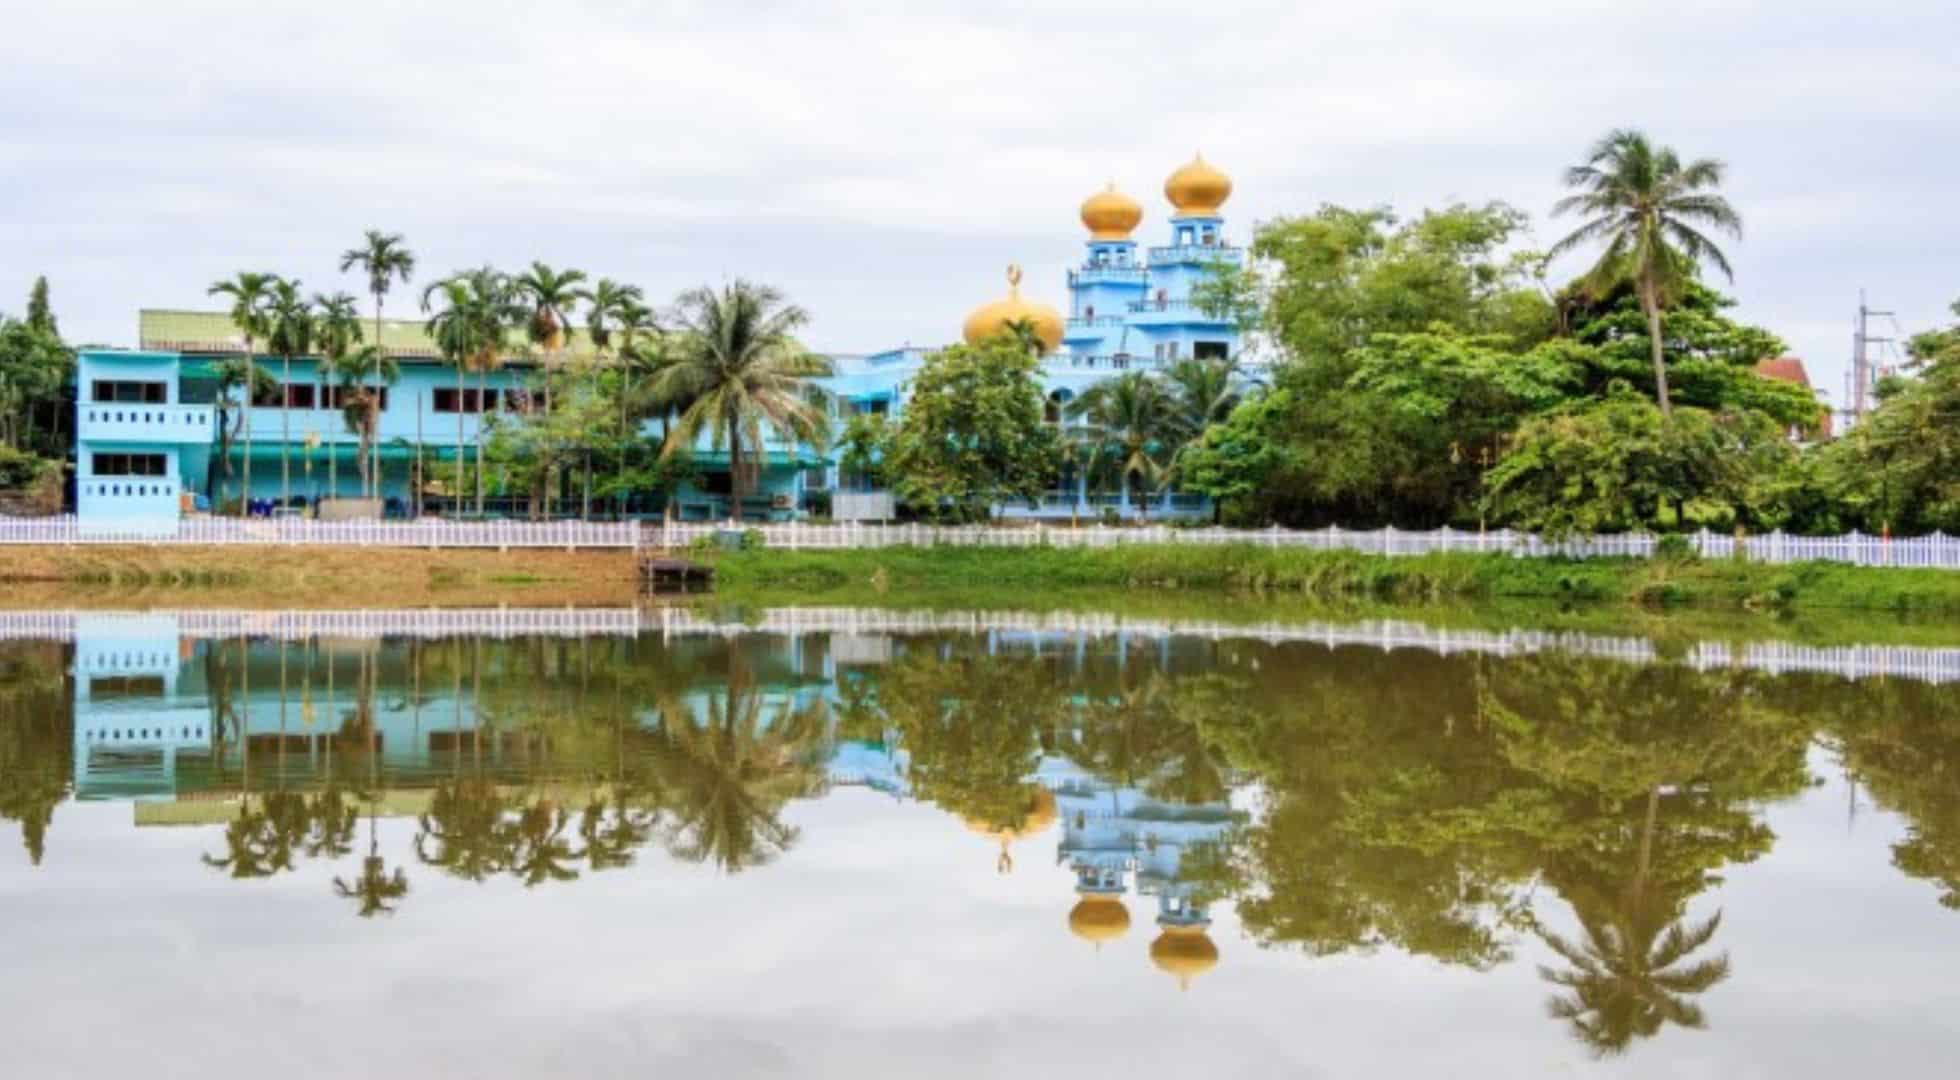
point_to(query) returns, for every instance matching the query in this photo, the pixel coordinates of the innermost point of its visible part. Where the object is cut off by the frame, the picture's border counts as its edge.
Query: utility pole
(1861, 359)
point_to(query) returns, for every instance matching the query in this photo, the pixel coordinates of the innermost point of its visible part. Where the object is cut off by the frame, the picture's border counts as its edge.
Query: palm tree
(727, 778)
(470, 330)
(375, 888)
(386, 259)
(614, 308)
(1645, 204)
(465, 824)
(337, 329)
(358, 374)
(1131, 422)
(249, 293)
(737, 365)
(234, 373)
(550, 295)
(1626, 980)
(290, 328)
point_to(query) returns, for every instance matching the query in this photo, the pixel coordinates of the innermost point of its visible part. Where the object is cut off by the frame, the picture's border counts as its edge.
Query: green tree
(1645, 204)
(471, 328)
(40, 315)
(360, 375)
(250, 294)
(550, 295)
(234, 373)
(36, 371)
(1899, 469)
(290, 327)
(743, 375)
(385, 259)
(1131, 425)
(972, 435)
(862, 449)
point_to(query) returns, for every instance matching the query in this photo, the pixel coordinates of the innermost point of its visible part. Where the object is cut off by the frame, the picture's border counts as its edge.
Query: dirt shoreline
(254, 575)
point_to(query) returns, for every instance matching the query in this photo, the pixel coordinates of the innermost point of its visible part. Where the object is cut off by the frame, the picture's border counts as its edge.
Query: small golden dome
(1197, 189)
(989, 320)
(1099, 917)
(1184, 951)
(1111, 215)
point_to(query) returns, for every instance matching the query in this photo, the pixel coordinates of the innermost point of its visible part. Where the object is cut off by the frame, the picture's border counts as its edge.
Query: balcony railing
(1095, 320)
(1175, 311)
(1108, 275)
(129, 422)
(1196, 253)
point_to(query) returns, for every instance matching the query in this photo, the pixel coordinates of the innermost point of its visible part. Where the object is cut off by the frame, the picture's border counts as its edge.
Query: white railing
(426, 533)
(1936, 665)
(1937, 551)
(301, 625)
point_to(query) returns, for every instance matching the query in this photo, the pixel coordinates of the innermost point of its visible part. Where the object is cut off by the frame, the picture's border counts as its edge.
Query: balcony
(1172, 312)
(1108, 275)
(1196, 254)
(1088, 322)
(139, 423)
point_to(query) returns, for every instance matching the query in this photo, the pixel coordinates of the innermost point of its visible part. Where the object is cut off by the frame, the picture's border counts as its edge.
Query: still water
(605, 844)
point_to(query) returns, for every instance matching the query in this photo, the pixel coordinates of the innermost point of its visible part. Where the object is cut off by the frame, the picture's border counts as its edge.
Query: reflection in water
(1340, 800)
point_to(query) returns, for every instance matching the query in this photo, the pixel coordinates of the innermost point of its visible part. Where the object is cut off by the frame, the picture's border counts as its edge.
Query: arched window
(1089, 312)
(1057, 402)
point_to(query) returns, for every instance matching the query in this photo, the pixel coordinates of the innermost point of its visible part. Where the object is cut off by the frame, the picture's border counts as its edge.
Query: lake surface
(893, 844)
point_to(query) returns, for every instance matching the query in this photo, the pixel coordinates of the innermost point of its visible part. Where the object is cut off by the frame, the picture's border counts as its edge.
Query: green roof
(213, 332)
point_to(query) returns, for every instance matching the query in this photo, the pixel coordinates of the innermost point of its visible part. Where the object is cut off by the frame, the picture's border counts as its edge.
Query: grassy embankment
(1003, 577)
(256, 576)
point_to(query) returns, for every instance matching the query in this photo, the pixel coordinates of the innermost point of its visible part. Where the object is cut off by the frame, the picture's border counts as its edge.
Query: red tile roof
(1786, 368)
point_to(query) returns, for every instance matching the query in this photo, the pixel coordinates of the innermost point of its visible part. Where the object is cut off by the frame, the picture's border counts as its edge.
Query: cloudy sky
(882, 163)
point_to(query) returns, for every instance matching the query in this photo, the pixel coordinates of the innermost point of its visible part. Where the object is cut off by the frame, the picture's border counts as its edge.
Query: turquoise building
(150, 449)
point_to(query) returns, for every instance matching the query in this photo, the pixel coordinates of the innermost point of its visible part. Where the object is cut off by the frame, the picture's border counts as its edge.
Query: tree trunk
(482, 382)
(251, 380)
(456, 497)
(374, 482)
(285, 433)
(1650, 303)
(735, 483)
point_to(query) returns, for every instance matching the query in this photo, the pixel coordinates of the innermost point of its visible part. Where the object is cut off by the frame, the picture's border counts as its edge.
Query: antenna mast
(1862, 379)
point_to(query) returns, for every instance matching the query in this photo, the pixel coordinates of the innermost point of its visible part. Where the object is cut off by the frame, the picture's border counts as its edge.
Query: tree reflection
(726, 778)
(462, 831)
(36, 745)
(376, 891)
(971, 724)
(1901, 741)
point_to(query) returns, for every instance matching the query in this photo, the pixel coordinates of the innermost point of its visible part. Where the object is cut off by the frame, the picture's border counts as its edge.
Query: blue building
(150, 447)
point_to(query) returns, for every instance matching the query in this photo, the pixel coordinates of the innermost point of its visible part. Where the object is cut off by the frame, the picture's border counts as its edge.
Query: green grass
(1029, 574)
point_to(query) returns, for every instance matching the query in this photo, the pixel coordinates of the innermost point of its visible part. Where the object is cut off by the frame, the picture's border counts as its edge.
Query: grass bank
(258, 576)
(881, 576)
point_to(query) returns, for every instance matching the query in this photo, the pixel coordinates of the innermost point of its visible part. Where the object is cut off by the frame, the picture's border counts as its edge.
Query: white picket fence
(1937, 551)
(426, 533)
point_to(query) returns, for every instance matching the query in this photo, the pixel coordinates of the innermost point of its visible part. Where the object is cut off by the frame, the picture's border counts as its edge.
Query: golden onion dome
(1111, 215)
(990, 320)
(1197, 190)
(1185, 952)
(1099, 917)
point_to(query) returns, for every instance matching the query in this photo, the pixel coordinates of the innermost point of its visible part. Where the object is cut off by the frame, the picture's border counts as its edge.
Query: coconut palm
(736, 364)
(234, 373)
(290, 328)
(462, 832)
(249, 293)
(471, 328)
(616, 314)
(377, 891)
(727, 778)
(360, 375)
(1131, 424)
(550, 296)
(537, 845)
(385, 258)
(1627, 977)
(1645, 204)
(337, 331)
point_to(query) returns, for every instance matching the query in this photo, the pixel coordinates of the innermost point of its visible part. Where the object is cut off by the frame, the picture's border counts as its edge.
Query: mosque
(149, 450)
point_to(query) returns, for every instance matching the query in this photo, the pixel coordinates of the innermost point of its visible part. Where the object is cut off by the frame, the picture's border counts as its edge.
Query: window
(1210, 350)
(125, 392)
(444, 400)
(519, 400)
(339, 397)
(299, 396)
(1089, 312)
(129, 464)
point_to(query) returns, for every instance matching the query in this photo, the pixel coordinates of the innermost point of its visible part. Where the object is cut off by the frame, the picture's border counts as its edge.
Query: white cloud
(881, 161)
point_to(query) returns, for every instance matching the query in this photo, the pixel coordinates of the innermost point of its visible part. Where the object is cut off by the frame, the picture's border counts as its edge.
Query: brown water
(1005, 852)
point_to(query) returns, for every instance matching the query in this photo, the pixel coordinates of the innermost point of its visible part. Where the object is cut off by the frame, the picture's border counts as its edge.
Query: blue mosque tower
(1135, 309)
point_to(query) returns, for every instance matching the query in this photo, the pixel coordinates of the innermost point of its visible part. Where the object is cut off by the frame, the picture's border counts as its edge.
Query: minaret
(1110, 279)
(1170, 325)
